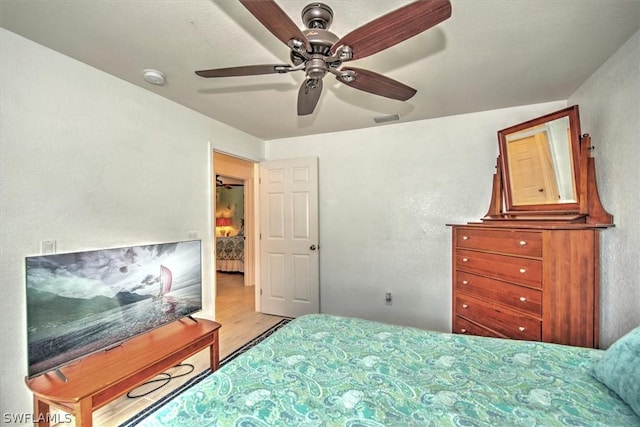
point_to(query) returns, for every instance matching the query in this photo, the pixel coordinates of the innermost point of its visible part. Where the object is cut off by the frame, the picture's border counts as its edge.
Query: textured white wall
(92, 161)
(385, 196)
(610, 113)
(386, 193)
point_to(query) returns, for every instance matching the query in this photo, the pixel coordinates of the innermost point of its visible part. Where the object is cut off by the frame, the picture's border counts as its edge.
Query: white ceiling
(490, 54)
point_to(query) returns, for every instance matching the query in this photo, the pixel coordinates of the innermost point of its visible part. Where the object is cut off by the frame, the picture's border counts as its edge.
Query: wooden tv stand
(100, 378)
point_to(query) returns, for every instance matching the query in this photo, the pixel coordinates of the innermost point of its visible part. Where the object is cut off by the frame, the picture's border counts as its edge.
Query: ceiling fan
(228, 185)
(220, 183)
(317, 51)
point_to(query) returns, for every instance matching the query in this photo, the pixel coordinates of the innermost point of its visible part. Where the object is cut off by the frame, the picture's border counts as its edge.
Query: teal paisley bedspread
(323, 370)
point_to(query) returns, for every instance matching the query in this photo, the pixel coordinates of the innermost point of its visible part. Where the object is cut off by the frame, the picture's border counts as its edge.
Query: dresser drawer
(500, 320)
(514, 242)
(514, 296)
(514, 269)
(463, 326)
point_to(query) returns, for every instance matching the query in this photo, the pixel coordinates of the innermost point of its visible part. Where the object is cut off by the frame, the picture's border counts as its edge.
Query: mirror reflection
(540, 164)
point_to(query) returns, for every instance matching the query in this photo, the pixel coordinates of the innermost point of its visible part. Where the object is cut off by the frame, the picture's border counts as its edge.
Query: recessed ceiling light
(389, 118)
(154, 77)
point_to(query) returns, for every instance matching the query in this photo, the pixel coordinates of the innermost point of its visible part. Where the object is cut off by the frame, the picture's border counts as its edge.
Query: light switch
(48, 247)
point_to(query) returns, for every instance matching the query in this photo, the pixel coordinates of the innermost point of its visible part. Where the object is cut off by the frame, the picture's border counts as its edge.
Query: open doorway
(237, 303)
(290, 183)
(229, 225)
(234, 231)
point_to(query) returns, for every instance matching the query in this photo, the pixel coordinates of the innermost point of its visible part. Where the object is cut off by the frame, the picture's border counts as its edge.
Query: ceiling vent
(384, 119)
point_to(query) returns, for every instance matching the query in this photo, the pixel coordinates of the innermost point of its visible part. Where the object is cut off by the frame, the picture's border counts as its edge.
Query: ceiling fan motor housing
(320, 40)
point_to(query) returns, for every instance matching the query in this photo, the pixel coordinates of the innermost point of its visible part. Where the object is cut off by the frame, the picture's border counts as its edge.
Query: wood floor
(235, 312)
(240, 323)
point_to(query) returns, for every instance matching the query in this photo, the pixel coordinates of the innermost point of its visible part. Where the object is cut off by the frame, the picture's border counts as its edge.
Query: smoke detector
(154, 77)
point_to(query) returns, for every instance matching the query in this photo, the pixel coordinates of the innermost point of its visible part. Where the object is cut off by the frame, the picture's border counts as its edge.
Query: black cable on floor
(164, 379)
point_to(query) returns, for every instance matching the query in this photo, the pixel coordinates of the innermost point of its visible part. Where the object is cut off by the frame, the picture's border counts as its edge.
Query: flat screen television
(84, 302)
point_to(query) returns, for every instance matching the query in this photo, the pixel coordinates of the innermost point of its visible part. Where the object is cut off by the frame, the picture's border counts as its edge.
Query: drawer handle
(465, 237)
(523, 243)
(465, 306)
(465, 282)
(465, 259)
(463, 330)
(523, 270)
(523, 299)
(522, 328)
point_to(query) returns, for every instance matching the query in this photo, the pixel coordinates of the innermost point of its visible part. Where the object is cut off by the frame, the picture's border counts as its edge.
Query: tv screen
(83, 302)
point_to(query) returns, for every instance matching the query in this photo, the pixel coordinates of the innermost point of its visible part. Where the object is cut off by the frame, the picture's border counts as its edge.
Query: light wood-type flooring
(240, 323)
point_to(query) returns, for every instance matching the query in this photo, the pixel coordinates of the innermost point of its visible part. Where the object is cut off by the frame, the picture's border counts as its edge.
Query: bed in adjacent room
(230, 254)
(328, 370)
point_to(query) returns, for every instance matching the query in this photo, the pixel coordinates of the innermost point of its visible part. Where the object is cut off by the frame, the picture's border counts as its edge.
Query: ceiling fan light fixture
(388, 118)
(154, 77)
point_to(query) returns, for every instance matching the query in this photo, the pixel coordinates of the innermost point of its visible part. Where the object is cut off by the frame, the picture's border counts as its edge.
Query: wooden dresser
(530, 268)
(536, 282)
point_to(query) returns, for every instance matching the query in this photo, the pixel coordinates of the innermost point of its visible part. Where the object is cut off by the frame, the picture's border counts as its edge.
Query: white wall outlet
(192, 235)
(388, 299)
(48, 247)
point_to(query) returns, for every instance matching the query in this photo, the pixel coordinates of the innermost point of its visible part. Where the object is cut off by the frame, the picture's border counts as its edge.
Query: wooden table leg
(84, 415)
(41, 412)
(214, 352)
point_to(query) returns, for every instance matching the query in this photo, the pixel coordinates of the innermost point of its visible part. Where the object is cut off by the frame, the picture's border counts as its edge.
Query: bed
(230, 254)
(322, 370)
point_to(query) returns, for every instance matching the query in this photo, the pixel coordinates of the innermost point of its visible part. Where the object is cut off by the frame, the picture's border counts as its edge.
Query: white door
(533, 180)
(289, 249)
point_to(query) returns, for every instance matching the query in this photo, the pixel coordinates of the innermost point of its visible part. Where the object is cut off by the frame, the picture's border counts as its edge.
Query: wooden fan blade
(275, 20)
(308, 96)
(378, 84)
(248, 70)
(395, 27)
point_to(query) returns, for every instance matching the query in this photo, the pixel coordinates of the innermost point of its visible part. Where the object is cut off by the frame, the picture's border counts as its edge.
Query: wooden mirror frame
(573, 172)
(587, 209)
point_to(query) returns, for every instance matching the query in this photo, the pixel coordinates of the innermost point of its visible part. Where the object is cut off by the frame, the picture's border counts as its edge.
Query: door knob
(313, 247)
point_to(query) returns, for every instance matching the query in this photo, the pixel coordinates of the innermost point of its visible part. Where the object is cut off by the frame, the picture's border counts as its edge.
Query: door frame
(235, 167)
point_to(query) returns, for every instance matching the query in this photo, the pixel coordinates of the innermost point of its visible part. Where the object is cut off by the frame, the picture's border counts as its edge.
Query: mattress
(326, 370)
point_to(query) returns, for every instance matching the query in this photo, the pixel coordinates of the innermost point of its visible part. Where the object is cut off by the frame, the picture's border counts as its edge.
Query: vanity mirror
(545, 172)
(540, 169)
